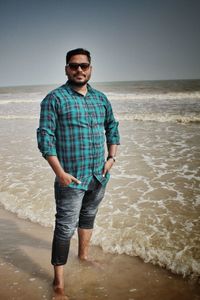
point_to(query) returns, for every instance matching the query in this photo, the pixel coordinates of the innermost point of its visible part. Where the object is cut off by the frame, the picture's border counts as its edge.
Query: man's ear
(65, 70)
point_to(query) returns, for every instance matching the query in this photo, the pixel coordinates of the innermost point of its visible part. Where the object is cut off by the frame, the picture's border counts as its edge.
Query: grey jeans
(74, 207)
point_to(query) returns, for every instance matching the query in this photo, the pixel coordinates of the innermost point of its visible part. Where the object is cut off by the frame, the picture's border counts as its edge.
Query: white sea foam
(158, 117)
(123, 225)
(153, 96)
(18, 101)
(37, 97)
(23, 210)
(21, 97)
(179, 263)
(15, 117)
(155, 117)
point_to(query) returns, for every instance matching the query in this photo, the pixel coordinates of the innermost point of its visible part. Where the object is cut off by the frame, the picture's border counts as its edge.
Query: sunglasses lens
(84, 67)
(74, 66)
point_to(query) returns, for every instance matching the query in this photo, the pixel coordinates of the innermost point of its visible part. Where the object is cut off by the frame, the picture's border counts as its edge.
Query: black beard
(78, 84)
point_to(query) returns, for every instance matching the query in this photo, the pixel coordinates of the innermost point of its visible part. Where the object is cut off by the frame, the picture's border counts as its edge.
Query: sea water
(152, 204)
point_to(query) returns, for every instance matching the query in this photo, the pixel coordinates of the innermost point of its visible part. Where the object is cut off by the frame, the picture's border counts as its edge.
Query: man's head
(78, 68)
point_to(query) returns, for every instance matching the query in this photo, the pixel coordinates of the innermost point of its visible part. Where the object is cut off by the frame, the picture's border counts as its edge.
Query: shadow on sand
(12, 242)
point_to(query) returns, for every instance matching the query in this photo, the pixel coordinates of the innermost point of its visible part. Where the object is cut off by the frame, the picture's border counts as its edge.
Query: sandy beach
(26, 272)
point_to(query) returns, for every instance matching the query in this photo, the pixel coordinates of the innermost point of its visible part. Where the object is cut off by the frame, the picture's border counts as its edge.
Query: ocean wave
(26, 212)
(158, 117)
(155, 117)
(37, 97)
(176, 262)
(158, 96)
(18, 101)
(16, 117)
(21, 97)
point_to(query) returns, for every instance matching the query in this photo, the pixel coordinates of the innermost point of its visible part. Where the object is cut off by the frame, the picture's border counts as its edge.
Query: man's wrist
(111, 157)
(60, 173)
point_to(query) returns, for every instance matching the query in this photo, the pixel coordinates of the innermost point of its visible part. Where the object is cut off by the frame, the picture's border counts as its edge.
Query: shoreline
(26, 272)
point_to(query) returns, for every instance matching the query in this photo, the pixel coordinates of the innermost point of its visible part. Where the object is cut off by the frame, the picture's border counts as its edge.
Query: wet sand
(26, 273)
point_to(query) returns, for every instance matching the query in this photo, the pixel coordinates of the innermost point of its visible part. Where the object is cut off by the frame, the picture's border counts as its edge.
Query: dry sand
(26, 273)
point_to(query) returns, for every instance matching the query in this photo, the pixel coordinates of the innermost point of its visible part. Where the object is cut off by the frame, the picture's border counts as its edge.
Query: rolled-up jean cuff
(86, 222)
(60, 251)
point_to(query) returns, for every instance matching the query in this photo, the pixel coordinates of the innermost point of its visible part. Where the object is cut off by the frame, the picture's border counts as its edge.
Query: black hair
(78, 51)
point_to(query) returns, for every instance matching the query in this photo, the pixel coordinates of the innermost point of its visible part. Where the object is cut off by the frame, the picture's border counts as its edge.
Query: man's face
(78, 75)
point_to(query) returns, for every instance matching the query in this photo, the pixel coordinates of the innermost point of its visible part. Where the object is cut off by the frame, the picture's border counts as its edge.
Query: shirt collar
(72, 92)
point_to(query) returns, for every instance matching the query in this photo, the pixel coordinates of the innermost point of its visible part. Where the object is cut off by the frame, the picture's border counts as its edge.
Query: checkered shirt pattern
(74, 128)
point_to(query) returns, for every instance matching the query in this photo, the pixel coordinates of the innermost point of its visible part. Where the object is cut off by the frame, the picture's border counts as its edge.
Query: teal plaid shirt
(74, 127)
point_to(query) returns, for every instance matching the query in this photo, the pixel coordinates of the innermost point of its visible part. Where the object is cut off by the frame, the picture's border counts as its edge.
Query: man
(75, 119)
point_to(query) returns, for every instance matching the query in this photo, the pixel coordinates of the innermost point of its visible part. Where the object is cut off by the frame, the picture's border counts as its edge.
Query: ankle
(58, 276)
(83, 257)
(58, 281)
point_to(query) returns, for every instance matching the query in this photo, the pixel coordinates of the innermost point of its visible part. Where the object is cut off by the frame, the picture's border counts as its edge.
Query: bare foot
(59, 292)
(60, 297)
(92, 263)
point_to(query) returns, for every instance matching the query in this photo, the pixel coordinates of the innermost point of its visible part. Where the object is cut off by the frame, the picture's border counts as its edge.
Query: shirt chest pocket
(99, 113)
(73, 116)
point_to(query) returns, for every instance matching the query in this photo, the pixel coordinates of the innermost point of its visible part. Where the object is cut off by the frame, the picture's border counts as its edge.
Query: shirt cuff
(51, 152)
(113, 141)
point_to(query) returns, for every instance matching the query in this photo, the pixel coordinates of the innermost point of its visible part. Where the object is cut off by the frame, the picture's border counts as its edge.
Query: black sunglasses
(75, 66)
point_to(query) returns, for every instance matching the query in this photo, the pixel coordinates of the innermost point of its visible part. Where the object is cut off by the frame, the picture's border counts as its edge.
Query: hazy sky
(128, 40)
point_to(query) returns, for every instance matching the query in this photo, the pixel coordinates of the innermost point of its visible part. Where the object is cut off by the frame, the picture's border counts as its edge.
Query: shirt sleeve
(46, 138)
(111, 126)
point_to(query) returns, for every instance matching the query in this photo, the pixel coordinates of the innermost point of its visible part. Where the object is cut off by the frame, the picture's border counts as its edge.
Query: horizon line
(99, 82)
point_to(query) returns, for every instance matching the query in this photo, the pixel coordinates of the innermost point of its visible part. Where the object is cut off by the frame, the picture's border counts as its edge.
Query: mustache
(80, 72)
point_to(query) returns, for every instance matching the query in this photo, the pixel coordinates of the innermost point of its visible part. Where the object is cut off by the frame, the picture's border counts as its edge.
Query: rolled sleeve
(111, 127)
(46, 138)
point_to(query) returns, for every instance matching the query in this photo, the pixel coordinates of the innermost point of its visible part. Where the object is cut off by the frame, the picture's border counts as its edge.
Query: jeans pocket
(59, 191)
